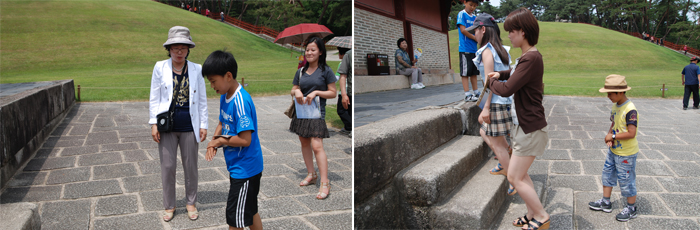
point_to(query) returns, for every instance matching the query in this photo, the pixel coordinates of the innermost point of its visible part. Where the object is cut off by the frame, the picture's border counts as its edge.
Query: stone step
(433, 177)
(515, 206)
(474, 204)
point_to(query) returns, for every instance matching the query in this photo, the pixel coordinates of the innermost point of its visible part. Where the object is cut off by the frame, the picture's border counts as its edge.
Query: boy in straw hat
(622, 150)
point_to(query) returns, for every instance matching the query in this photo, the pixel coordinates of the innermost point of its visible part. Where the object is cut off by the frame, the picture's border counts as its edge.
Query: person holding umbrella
(315, 79)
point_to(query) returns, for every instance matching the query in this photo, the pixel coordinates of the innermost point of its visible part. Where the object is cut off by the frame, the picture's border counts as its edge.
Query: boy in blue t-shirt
(237, 134)
(467, 49)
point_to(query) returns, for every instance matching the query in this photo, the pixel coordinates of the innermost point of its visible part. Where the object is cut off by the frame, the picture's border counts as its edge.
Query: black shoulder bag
(164, 120)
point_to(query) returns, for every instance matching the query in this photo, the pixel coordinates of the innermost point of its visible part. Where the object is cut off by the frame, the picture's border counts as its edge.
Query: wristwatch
(613, 136)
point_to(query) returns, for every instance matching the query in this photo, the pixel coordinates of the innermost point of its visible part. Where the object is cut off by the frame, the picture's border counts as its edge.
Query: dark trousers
(345, 114)
(691, 89)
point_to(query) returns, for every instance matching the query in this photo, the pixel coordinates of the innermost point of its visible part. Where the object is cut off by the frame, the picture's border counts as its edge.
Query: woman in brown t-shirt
(529, 136)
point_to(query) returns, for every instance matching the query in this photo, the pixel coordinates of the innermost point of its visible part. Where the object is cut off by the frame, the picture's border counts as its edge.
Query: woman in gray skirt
(178, 84)
(316, 78)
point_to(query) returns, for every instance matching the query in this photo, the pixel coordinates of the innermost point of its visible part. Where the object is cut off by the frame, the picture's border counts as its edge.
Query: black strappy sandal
(521, 221)
(536, 225)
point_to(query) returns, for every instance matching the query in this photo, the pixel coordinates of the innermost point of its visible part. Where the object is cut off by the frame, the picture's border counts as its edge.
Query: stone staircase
(438, 186)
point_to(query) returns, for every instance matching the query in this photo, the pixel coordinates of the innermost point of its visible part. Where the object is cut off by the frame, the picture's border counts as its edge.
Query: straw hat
(615, 83)
(179, 35)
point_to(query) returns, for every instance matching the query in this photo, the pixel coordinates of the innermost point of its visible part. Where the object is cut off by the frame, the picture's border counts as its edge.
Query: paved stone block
(279, 186)
(585, 218)
(593, 154)
(153, 200)
(66, 215)
(680, 184)
(114, 171)
(647, 204)
(594, 144)
(63, 176)
(560, 206)
(644, 222)
(49, 163)
(102, 138)
(537, 168)
(281, 147)
(342, 179)
(80, 130)
(652, 168)
(286, 223)
(118, 147)
(335, 221)
(135, 155)
(100, 159)
(116, 205)
(214, 163)
(685, 168)
(652, 155)
(555, 154)
(64, 143)
(44, 153)
(30, 194)
(347, 162)
(27, 178)
(205, 175)
(91, 188)
(553, 134)
(648, 139)
(578, 183)
(681, 203)
(279, 159)
(276, 170)
(337, 200)
(569, 127)
(149, 145)
(671, 139)
(580, 135)
(283, 206)
(564, 144)
(80, 150)
(143, 183)
(149, 220)
(593, 167)
(150, 167)
(566, 167)
(673, 147)
(682, 156)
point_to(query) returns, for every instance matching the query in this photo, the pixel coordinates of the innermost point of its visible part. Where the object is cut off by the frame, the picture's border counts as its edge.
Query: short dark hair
(219, 63)
(475, 1)
(188, 49)
(398, 42)
(522, 19)
(342, 50)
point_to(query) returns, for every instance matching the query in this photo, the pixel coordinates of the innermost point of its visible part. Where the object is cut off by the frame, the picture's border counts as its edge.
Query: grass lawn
(109, 48)
(578, 57)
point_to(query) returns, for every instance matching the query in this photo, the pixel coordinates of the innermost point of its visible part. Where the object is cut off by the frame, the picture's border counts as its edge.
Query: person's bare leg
(473, 80)
(321, 161)
(307, 153)
(465, 84)
(517, 174)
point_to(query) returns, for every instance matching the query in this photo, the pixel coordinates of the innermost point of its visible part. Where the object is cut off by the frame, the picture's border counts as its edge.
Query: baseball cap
(483, 19)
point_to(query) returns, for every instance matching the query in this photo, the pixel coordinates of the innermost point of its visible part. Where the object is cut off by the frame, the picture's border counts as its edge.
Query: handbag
(291, 110)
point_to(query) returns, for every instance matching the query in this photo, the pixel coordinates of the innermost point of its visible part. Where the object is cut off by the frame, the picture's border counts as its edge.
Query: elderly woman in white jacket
(179, 82)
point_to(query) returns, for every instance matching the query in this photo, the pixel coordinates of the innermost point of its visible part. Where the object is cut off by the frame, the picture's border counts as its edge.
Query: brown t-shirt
(526, 84)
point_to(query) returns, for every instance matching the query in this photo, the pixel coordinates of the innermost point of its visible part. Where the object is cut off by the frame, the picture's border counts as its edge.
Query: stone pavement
(99, 170)
(371, 107)
(668, 165)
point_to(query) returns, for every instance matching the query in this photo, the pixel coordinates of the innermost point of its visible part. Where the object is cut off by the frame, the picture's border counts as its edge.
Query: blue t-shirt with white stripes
(237, 114)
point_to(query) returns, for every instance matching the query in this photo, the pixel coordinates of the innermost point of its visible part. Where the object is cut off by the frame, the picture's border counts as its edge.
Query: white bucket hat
(179, 35)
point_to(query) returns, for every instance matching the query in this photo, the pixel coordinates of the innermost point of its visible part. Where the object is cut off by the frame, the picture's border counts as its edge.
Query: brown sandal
(536, 225)
(521, 221)
(310, 179)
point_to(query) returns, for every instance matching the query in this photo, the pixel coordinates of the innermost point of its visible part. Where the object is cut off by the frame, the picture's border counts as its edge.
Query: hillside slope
(110, 47)
(577, 57)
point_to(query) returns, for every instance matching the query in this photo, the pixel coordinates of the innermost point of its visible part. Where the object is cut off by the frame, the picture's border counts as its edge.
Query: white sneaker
(415, 86)
(421, 84)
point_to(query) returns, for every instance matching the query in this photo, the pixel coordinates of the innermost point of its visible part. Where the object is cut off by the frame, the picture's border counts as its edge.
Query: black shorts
(466, 65)
(242, 202)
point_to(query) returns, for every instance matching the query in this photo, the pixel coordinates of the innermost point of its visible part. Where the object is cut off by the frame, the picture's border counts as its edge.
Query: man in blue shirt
(690, 80)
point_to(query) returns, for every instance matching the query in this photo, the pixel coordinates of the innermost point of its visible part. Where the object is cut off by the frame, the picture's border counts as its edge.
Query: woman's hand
(202, 134)
(299, 96)
(310, 97)
(493, 76)
(155, 134)
(485, 115)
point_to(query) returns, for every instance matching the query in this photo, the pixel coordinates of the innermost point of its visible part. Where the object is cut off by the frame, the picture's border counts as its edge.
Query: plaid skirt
(501, 121)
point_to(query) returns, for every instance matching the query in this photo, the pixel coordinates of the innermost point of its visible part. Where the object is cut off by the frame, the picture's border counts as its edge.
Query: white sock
(467, 93)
